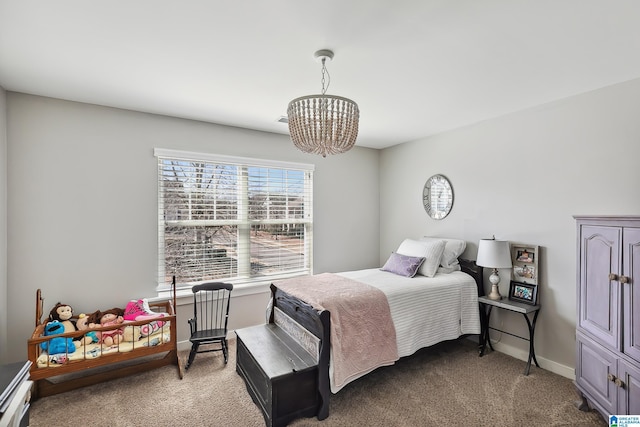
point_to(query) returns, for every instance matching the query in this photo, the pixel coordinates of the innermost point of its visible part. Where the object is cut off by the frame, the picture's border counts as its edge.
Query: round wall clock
(437, 197)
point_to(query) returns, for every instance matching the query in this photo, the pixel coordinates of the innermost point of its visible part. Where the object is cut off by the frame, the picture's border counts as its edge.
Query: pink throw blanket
(363, 336)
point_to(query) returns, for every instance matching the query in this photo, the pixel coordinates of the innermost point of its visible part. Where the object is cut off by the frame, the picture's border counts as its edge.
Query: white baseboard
(546, 364)
(186, 344)
(520, 354)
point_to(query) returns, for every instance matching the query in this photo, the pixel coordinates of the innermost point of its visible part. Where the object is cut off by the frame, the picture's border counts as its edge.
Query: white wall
(3, 226)
(82, 180)
(522, 177)
(82, 205)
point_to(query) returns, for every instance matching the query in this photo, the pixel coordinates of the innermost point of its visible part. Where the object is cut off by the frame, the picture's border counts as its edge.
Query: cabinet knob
(624, 279)
(613, 276)
(611, 377)
(618, 382)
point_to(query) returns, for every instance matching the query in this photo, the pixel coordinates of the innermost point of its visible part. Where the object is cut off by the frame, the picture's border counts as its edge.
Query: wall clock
(437, 197)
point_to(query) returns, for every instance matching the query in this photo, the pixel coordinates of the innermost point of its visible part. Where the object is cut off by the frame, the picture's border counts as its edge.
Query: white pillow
(430, 250)
(452, 251)
(447, 270)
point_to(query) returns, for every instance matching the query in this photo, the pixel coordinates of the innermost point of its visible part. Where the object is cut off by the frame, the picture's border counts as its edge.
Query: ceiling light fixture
(323, 124)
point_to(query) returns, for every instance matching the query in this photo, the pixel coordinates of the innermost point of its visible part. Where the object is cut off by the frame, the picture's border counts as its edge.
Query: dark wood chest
(280, 375)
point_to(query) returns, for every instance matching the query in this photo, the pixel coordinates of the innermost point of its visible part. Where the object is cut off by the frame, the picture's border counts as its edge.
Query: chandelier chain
(324, 80)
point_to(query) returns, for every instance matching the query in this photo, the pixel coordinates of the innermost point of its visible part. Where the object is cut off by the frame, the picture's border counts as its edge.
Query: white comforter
(424, 310)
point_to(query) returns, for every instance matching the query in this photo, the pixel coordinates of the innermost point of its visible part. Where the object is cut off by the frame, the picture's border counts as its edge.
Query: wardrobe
(608, 314)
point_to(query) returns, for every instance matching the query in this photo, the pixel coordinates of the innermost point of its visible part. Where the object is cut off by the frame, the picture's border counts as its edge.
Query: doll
(89, 337)
(109, 318)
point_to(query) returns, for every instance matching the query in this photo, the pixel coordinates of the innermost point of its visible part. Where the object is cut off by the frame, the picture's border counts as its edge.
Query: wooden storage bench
(280, 375)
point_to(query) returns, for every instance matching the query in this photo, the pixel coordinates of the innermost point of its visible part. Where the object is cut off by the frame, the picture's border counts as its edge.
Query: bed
(424, 306)
(91, 363)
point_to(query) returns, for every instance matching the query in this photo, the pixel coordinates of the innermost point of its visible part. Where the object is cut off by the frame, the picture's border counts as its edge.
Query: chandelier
(323, 124)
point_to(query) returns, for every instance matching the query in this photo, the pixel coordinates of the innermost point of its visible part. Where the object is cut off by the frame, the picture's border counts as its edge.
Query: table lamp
(494, 254)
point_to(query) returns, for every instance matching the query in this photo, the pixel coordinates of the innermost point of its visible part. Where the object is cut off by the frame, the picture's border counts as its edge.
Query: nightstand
(486, 305)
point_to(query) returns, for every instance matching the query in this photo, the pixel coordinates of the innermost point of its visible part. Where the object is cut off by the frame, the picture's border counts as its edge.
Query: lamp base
(495, 290)
(495, 293)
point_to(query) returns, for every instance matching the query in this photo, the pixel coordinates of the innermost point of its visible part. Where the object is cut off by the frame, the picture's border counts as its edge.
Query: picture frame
(524, 272)
(523, 292)
(524, 258)
(525, 255)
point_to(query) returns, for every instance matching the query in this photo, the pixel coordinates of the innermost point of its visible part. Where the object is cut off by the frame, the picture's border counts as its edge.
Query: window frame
(243, 220)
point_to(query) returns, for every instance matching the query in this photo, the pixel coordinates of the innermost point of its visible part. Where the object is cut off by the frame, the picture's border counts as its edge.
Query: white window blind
(232, 219)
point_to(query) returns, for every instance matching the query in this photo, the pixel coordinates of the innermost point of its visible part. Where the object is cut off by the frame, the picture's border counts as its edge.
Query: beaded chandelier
(323, 124)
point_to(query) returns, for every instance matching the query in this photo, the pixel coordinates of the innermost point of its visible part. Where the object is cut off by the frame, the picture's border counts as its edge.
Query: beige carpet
(446, 385)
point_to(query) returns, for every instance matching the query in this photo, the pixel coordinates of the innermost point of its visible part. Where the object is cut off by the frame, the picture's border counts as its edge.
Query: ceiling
(415, 67)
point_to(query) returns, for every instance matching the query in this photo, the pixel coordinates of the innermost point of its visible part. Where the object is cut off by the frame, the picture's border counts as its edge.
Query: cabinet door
(629, 393)
(593, 370)
(599, 312)
(631, 291)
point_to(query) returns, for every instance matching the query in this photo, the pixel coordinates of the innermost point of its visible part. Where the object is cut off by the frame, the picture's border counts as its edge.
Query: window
(232, 219)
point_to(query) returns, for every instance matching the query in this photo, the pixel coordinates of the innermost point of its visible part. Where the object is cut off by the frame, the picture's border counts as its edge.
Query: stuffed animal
(63, 313)
(131, 333)
(59, 344)
(89, 336)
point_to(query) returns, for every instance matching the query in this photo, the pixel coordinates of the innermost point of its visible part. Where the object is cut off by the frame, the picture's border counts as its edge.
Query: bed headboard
(472, 269)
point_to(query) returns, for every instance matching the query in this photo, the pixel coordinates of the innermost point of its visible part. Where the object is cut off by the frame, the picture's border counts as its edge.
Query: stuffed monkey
(63, 313)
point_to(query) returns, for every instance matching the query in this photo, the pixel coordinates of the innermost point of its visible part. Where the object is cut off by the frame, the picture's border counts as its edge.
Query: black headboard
(471, 268)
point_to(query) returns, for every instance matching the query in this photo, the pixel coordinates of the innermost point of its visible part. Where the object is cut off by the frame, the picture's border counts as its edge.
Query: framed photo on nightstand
(523, 292)
(524, 258)
(524, 272)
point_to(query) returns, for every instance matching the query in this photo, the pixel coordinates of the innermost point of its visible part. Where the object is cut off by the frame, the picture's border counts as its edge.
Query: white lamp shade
(494, 254)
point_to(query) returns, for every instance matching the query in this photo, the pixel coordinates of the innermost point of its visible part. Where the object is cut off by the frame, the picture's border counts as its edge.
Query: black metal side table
(486, 305)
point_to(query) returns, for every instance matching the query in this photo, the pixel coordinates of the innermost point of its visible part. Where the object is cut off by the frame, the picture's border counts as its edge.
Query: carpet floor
(447, 384)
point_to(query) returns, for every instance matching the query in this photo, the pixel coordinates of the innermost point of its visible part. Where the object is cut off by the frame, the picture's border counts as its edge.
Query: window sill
(185, 296)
